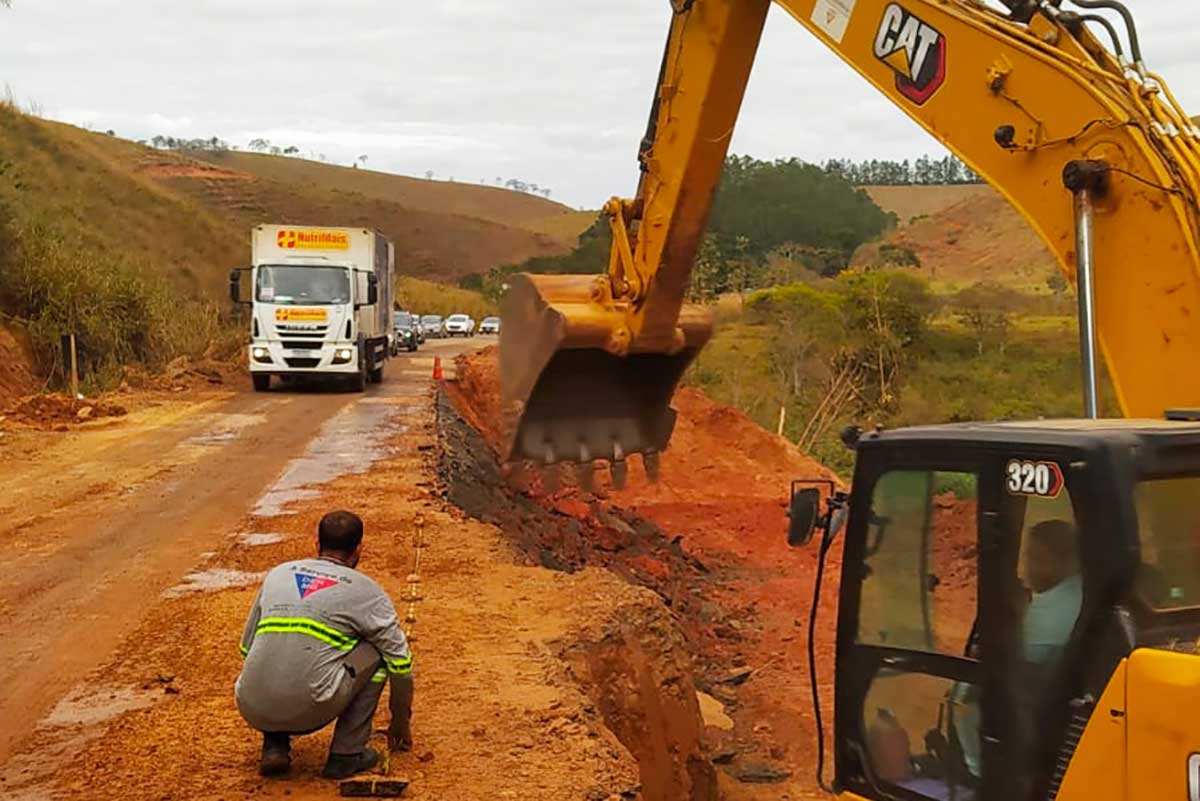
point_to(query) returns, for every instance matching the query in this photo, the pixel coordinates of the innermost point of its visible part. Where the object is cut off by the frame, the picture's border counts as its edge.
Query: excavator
(1019, 602)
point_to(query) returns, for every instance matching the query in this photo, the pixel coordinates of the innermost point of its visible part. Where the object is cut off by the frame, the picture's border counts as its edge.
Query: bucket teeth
(620, 473)
(650, 462)
(585, 474)
(550, 480)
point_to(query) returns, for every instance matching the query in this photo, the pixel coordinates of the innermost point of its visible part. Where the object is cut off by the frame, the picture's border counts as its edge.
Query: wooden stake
(782, 418)
(74, 370)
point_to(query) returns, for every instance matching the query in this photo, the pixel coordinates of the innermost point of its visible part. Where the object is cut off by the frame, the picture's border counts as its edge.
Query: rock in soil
(760, 773)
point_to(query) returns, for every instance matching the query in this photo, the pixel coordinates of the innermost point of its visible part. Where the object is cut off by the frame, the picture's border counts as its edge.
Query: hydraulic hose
(1135, 46)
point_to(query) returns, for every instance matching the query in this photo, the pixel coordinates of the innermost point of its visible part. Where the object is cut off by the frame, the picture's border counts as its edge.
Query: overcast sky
(554, 92)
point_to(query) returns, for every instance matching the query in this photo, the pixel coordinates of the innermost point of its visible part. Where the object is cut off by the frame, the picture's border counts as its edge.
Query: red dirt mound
(16, 372)
(57, 411)
(722, 502)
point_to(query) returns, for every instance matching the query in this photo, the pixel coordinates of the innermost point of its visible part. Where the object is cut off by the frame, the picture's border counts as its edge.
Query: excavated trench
(641, 673)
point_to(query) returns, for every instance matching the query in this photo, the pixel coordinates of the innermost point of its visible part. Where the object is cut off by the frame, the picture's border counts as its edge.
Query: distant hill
(962, 234)
(907, 202)
(190, 214)
(493, 204)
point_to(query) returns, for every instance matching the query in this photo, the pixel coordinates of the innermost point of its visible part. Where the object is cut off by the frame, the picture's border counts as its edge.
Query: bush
(426, 297)
(121, 312)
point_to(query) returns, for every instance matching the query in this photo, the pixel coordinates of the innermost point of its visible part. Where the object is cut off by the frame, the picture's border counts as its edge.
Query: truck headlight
(260, 354)
(343, 355)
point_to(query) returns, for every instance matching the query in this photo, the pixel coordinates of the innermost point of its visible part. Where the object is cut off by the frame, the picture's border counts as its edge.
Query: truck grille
(303, 344)
(302, 362)
(302, 331)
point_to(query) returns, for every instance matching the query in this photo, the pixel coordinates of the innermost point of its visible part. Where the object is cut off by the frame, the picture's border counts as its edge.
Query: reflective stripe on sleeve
(244, 650)
(378, 676)
(399, 667)
(303, 625)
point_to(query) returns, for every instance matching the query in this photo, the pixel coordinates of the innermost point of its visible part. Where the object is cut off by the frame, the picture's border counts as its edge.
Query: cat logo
(915, 50)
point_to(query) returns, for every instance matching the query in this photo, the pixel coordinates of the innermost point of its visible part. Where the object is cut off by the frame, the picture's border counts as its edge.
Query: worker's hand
(400, 736)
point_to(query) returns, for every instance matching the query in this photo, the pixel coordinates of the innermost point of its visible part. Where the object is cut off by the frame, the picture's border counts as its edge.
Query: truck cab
(320, 304)
(1018, 612)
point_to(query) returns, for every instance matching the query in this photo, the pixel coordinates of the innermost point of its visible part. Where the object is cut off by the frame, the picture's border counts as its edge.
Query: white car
(459, 325)
(490, 325)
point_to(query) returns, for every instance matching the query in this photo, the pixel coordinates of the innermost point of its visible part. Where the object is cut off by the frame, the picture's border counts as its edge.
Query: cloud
(555, 93)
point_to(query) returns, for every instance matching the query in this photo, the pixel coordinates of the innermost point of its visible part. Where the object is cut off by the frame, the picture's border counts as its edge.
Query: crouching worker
(321, 640)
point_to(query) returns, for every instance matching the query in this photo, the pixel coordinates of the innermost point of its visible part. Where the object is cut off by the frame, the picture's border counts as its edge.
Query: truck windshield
(1169, 529)
(301, 285)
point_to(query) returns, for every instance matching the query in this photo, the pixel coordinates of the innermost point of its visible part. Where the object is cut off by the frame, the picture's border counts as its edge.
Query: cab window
(1169, 529)
(920, 573)
(919, 594)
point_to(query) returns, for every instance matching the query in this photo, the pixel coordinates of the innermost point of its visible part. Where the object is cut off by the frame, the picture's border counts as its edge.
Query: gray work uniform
(320, 641)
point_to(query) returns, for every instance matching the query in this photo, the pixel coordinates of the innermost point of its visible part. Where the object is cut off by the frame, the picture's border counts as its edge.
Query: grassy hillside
(963, 234)
(190, 218)
(907, 202)
(86, 185)
(493, 204)
(130, 247)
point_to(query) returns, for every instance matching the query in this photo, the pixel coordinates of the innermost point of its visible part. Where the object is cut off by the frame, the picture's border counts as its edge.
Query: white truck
(321, 303)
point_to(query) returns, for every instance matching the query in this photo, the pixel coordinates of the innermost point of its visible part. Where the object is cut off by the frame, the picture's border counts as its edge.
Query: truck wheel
(376, 376)
(262, 381)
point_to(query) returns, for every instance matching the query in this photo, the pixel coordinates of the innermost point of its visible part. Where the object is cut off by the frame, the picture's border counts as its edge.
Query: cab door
(910, 684)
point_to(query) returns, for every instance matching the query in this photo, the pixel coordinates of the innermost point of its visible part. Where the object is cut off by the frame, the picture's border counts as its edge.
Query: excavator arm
(1078, 136)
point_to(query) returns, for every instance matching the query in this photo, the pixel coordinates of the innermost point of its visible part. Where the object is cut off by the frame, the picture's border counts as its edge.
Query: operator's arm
(381, 628)
(251, 624)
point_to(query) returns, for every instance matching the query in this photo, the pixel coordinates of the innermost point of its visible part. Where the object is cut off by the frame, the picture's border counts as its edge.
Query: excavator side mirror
(804, 511)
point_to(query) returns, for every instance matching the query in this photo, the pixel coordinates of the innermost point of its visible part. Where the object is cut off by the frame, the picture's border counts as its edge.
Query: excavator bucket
(567, 396)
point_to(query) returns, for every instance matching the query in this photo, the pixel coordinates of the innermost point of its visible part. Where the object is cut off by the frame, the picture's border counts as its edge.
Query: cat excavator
(1019, 602)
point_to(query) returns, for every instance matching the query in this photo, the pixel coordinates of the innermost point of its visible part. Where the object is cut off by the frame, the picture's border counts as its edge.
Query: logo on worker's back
(915, 50)
(307, 584)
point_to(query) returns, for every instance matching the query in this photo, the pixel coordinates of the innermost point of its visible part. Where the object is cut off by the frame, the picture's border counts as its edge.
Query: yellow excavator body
(1029, 100)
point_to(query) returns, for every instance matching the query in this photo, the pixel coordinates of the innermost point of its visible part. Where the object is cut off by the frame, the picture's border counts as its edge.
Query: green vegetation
(769, 220)
(426, 297)
(121, 312)
(880, 347)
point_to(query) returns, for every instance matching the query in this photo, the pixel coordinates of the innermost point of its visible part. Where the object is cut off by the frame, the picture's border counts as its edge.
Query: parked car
(404, 328)
(431, 324)
(459, 325)
(490, 325)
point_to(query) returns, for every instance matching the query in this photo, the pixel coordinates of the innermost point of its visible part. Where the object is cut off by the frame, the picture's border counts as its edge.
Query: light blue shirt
(1049, 619)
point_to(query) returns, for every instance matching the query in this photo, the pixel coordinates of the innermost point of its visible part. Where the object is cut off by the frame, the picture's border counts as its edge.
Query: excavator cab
(1019, 612)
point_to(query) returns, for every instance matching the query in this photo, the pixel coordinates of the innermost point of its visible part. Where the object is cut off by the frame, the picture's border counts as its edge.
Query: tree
(885, 314)
(258, 145)
(362, 159)
(987, 309)
(429, 175)
(291, 150)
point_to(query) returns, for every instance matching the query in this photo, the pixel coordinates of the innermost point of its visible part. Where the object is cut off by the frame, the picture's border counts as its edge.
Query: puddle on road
(255, 539)
(348, 443)
(212, 580)
(212, 439)
(98, 705)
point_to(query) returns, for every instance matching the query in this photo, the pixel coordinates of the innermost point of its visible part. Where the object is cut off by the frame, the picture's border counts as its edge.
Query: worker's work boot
(342, 766)
(276, 754)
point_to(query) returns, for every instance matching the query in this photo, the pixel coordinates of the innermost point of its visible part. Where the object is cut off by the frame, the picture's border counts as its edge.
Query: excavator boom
(1079, 137)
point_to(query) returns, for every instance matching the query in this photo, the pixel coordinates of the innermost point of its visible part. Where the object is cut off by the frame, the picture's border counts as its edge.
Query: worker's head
(340, 535)
(1050, 556)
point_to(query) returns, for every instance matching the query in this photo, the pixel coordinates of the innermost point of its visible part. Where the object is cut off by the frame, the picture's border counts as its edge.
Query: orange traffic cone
(437, 368)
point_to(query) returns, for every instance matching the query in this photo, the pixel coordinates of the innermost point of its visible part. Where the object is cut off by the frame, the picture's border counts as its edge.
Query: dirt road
(102, 522)
(531, 683)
